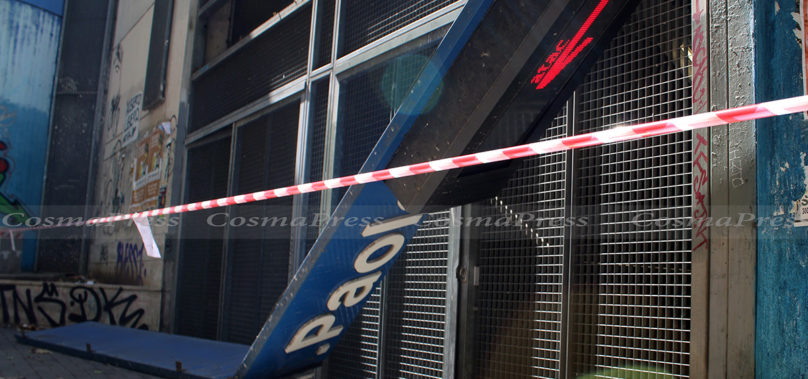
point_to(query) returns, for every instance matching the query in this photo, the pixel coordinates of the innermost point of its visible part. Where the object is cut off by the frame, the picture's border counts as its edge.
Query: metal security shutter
(631, 283)
(259, 253)
(200, 260)
(518, 328)
(272, 59)
(364, 21)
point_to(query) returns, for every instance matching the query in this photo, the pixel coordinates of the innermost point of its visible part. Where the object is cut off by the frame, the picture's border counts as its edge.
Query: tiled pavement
(20, 361)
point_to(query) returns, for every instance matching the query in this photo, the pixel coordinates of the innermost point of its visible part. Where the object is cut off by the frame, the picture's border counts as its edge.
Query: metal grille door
(415, 326)
(518, 329)
(631, 277)
(593, 276)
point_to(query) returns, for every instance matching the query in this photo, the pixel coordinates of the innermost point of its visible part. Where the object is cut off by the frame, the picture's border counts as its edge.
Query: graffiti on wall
(51, 306)
(129, 264)
(9, 205)
(701, 179)
(701, 152)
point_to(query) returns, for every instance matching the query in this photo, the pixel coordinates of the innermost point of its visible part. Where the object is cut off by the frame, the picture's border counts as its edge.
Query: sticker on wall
(146, 188)
(801, 207)
(130, 133)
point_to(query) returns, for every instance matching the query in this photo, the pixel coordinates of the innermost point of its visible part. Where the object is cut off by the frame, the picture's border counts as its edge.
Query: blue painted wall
(29, 40)
(54, 6)
(781, 346)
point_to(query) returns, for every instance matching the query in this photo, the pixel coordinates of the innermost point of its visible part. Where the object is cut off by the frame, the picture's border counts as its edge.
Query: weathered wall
(29, 41)
(126, 181)
(52, 304)
(782, 271)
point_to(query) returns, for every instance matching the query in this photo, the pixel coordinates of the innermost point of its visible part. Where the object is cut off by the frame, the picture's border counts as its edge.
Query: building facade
(643, 257)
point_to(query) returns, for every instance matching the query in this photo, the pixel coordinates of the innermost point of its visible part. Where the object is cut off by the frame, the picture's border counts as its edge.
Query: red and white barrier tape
(619, 134)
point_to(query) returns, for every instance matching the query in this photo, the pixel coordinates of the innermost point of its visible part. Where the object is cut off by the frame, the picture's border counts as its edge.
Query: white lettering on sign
(352, 292)
(363, 263)
(325, 329)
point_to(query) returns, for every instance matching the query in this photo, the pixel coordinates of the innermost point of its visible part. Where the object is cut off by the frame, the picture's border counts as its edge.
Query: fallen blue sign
(488, 98)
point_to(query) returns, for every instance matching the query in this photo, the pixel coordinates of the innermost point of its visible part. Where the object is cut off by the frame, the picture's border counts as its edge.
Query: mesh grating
(200, 260)
(274, 58)
(363, 116)
(364, 21)
(518, 330)
(325, 32)
(259, 255)
(367, 103)
(630, 295)
(317, 125)
(248, 15)
(357, 353)
(415, 324)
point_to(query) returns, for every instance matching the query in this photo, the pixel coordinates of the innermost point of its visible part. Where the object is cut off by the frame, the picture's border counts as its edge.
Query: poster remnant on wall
(132, 119)
(149, 159)
(801, 208)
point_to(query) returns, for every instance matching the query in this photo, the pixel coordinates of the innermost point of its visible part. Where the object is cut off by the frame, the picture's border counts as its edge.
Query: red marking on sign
(566, 51)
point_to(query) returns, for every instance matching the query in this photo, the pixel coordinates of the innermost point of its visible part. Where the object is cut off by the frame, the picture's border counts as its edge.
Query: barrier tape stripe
(618, 134)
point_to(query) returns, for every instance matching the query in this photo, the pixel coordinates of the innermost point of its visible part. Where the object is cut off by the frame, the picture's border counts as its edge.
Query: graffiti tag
(129, 263)
(50, 308)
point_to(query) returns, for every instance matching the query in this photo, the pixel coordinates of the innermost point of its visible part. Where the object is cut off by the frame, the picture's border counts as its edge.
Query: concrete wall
(51, 304)
(29, 41)
(116, 254)
(782, 273)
